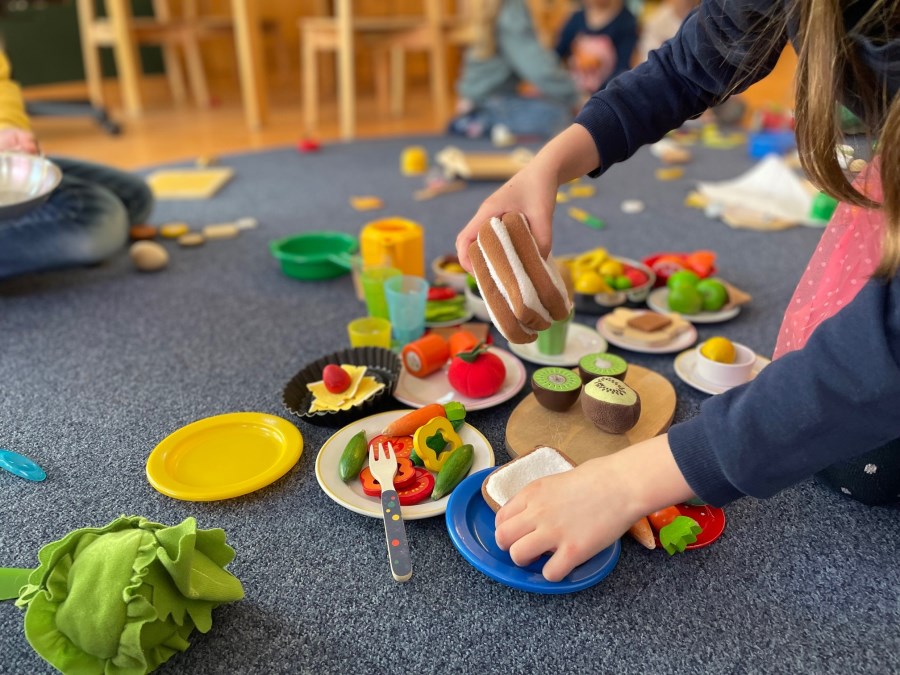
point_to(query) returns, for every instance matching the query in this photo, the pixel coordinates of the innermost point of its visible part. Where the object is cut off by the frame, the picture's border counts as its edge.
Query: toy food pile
(431, 457)
(610, 404)
(523, 292)
(444, 304)
(689, 294)
(675, 531)
(474, 371)
(342, 387)
(701, 263)
(596, 271)
(646, 328)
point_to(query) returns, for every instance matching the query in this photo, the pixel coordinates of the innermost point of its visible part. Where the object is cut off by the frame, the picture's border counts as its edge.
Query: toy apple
(477, 373)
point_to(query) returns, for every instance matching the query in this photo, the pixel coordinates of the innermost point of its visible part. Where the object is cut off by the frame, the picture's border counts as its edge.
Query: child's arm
(532, 190)
(578, 513)
(828, 402)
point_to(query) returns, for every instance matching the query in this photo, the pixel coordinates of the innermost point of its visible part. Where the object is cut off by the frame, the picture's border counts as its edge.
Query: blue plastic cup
(406, 296)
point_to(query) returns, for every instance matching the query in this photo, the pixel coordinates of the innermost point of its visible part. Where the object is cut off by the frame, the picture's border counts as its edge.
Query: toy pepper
(123, 598)
(435, 441)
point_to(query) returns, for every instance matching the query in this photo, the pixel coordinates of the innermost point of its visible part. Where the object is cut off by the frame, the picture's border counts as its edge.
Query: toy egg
(731, 374)
(148, 256)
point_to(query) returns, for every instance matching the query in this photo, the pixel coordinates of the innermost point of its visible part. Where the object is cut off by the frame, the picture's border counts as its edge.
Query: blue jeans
(523, 116)
(85, 220)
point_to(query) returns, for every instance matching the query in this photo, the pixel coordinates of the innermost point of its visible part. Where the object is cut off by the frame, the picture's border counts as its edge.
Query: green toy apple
(682, 278)
(685, 299)
(714, 294)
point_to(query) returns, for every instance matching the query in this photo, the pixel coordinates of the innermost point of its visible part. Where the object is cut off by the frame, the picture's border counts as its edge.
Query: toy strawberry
(477, 373)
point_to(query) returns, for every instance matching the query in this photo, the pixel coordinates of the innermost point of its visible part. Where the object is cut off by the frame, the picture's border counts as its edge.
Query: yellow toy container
(394, 242)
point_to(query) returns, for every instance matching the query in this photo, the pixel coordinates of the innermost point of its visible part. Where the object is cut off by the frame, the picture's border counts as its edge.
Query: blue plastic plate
(470, 522)
(21, 466)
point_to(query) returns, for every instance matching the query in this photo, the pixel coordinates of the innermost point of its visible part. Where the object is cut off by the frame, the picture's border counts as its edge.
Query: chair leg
(171, 64)
(310, 80)
(93, 72)
(128, 61)
(439, 84)
(398, 80)
(196, 72)
(383, 84)
(346, 70)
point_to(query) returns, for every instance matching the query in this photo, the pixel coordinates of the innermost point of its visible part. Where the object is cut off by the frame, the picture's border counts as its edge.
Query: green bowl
(315, 255)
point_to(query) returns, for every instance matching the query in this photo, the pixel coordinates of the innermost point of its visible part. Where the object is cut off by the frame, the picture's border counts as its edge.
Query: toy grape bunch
(123, 598)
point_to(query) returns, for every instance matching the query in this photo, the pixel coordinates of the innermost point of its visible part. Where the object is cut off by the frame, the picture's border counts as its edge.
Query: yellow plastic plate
(224, 456)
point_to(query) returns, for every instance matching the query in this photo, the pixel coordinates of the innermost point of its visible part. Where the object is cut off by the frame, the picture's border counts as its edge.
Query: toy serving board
(531, 424)
(188, 183)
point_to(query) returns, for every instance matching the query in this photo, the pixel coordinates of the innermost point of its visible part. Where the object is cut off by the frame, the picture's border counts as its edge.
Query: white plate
(466, 316)
(682, 340)
(686, 369)
(350, 495)
(658, 301)
(420, 391)
(580, 340)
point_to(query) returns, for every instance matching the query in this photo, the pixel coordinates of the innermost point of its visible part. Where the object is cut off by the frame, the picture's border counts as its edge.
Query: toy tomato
(441, 293)
(418, 490)
(477, 373)
(402, 445)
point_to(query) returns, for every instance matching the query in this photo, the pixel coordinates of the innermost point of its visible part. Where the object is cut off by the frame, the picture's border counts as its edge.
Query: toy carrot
(643, 534)
(407, 425)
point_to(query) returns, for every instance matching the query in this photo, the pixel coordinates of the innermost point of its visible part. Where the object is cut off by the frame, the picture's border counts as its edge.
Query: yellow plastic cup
(370, 331)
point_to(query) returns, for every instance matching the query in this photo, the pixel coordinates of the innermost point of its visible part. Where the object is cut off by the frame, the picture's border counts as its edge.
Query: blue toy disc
(21, 466)
(470, 522)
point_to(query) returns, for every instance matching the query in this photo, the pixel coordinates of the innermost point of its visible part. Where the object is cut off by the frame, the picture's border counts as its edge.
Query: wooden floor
(167, 133)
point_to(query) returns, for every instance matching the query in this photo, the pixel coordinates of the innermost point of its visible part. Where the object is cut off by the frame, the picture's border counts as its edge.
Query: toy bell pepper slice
(435, 441)
(402, 445)
(406, 474)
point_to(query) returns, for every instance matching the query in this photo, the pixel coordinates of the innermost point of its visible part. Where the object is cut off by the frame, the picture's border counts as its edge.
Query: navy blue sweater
(839, 396)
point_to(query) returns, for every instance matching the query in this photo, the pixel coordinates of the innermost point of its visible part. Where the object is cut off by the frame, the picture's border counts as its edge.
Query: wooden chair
(177, 36)
(388, 37)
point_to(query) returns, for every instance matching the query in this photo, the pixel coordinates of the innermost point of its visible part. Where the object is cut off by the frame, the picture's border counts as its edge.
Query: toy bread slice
(505, 482)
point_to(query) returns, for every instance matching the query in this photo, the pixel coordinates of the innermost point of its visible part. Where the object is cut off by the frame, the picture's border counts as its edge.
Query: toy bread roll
(505, 482)
(523, 292)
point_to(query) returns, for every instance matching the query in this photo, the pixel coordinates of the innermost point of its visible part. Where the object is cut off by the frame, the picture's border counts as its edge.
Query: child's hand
(532, 192)
(576, 514)
(18, 140)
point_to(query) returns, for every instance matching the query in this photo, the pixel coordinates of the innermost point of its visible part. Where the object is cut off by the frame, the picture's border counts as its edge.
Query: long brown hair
(827, 67)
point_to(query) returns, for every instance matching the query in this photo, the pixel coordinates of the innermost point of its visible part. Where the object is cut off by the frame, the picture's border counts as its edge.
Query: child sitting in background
(598, 42)
(87, 217)
(509, 79)
(661, 24)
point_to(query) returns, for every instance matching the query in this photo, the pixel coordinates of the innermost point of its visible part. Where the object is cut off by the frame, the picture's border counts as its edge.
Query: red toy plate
(710, 518)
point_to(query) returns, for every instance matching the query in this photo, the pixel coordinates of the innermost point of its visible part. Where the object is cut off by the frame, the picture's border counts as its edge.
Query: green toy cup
(315, 255)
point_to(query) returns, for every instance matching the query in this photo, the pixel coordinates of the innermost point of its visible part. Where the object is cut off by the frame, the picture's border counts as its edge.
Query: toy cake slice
(505, 482)
(523, 292)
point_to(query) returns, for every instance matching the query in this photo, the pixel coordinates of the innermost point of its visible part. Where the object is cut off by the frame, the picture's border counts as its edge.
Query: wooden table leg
(346, 70)
(128, 61)
(248, 45)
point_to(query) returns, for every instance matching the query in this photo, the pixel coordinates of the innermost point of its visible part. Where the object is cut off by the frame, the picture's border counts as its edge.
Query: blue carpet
(98, 365)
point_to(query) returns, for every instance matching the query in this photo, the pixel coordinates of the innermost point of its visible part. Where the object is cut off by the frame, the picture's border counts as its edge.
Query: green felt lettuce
(124, 598)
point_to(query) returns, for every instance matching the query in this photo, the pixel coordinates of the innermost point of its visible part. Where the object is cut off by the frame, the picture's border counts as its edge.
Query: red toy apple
(477, 373)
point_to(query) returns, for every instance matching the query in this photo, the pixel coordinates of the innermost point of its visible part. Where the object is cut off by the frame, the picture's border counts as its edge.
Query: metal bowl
(26, 181)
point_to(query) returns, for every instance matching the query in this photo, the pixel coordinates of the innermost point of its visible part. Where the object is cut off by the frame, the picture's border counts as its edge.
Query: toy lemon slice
(224, 456)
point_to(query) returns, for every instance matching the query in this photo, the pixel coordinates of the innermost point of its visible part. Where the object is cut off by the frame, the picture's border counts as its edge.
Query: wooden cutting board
(574, 434)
